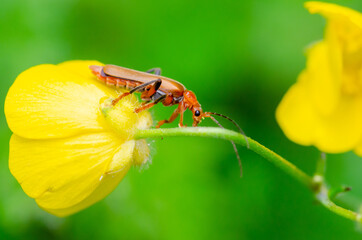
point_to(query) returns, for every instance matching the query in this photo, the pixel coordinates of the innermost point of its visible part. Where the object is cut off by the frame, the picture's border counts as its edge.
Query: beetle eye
(197, 113)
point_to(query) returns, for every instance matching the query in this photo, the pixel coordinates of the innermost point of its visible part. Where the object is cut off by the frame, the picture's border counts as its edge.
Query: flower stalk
(316, 184)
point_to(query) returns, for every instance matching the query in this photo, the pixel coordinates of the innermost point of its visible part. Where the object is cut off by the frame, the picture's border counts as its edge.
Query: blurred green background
(239, 57)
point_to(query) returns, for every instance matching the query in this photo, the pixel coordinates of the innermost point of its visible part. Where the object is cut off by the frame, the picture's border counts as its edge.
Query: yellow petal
(79, 67)
(52, 101)
(61, 173)
(122, 158)
(107, 184)
(343, 32)
(295, 113)
(334, 11)
(340, 131)
(358, 149)
(324, 77)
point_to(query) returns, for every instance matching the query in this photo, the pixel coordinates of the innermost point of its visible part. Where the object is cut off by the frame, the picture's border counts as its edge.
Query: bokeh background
(239, 57)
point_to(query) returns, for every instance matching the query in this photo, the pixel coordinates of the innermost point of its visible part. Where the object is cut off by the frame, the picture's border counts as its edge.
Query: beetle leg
(115, 101)
(157, 84)
(144, 107)
(149, 105)
(150, 90)
(182, 110)
(156, 71)
(178, 110)
(172, 118)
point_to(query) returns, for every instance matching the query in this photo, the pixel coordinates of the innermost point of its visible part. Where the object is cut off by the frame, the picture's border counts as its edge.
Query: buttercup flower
(324, 107)
(70, 146)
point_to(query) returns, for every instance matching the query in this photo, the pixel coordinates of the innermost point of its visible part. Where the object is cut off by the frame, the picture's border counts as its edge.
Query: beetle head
(197, 115)
(191, 103)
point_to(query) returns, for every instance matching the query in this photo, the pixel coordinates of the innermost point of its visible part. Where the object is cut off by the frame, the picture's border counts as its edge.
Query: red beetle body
(154, 89)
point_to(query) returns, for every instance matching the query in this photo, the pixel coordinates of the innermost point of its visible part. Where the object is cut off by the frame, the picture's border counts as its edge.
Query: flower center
(121, 118)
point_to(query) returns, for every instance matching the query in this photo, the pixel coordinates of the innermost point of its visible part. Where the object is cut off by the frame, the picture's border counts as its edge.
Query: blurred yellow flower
(70, 147)
(324, 107)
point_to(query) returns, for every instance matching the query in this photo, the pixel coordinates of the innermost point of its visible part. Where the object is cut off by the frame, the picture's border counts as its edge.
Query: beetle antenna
(237, 125)
(234, 146)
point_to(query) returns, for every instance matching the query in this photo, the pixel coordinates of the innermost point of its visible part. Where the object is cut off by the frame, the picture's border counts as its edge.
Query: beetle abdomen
(113, 81)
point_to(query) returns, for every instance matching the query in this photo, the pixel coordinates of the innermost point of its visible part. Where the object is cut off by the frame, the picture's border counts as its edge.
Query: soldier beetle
(155, 88)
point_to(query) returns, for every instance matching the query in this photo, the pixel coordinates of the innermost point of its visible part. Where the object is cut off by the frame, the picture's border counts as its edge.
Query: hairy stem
(317, 187)
(225, 134)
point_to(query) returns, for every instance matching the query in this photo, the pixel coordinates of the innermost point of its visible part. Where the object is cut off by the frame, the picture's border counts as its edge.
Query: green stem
(225, 134)
(318, 177)
(333, 192)
(324, 199)
(319, 188)
(321, 165)
(342, 211)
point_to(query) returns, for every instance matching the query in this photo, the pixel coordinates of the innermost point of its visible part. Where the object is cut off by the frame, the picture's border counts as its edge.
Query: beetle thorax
(190, 100)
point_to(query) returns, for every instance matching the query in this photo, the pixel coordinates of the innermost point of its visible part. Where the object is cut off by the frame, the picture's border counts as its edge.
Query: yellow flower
(324, 107)
(70, 147)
